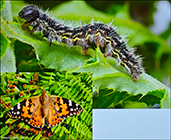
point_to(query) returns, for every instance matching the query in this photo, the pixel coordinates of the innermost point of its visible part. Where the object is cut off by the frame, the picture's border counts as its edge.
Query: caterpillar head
(29, 13)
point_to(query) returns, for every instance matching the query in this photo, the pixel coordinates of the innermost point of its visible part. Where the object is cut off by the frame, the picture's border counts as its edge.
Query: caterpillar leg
(50, 43)
(108, 50)
(135, 77)
(83, 43)
(25, 23)
(84, 50)
(85, 47)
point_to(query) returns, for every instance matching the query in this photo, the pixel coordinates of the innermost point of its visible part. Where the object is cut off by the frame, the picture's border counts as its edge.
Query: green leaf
(166, 101)
(158, 93)
(150, 100)
(106, 76)
(5, 131)
(130, 104)
(4, 43)
(6, 12)
(108, 98)
(8, 58)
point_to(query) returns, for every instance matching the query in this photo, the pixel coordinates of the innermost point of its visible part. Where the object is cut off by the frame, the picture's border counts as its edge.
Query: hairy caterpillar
(104, 36)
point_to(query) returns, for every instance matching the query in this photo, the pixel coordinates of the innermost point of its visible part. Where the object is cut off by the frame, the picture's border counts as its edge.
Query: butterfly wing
(29, 111)
(53, 118)
(60, 109)
(37, 119)
(24, 109)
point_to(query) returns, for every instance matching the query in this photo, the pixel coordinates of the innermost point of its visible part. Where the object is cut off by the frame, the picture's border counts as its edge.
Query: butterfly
(36, 110)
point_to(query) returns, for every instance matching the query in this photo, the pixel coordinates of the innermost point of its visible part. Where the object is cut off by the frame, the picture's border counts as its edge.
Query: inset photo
(54, 105)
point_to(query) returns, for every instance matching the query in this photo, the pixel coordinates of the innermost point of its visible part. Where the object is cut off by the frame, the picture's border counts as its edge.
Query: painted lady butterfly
(36, 109)
(104, 36)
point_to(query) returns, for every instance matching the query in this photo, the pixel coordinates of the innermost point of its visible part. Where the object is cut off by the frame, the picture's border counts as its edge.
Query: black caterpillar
(104, 36)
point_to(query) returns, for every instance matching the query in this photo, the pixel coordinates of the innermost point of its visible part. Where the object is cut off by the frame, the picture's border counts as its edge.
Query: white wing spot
(71, 109)
(76, 104)
(18, 106)
(70, 103)
(12, 108)
(18, 112)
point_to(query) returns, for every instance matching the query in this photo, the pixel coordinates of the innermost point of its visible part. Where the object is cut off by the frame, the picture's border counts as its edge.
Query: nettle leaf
(130, 104)
(108, 98)
(4, 43)
(6, 10)
(166, 101)
(7, 58)
(66, 85)
(106, 76)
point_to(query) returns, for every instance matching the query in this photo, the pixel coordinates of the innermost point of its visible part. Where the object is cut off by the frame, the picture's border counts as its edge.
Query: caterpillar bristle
(95, 33)
(110, 24)
(92, 21)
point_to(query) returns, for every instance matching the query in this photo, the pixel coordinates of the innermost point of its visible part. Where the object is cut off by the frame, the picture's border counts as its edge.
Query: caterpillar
(98, 34)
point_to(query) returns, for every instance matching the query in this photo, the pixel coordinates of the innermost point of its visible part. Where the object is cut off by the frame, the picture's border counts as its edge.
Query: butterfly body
(52, 109)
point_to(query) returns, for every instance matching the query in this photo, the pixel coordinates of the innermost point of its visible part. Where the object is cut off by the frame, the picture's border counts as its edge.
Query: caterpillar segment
(99, 34)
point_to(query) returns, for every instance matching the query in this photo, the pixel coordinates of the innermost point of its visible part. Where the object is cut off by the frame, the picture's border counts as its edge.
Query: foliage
(37, 55)
(74, 86)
